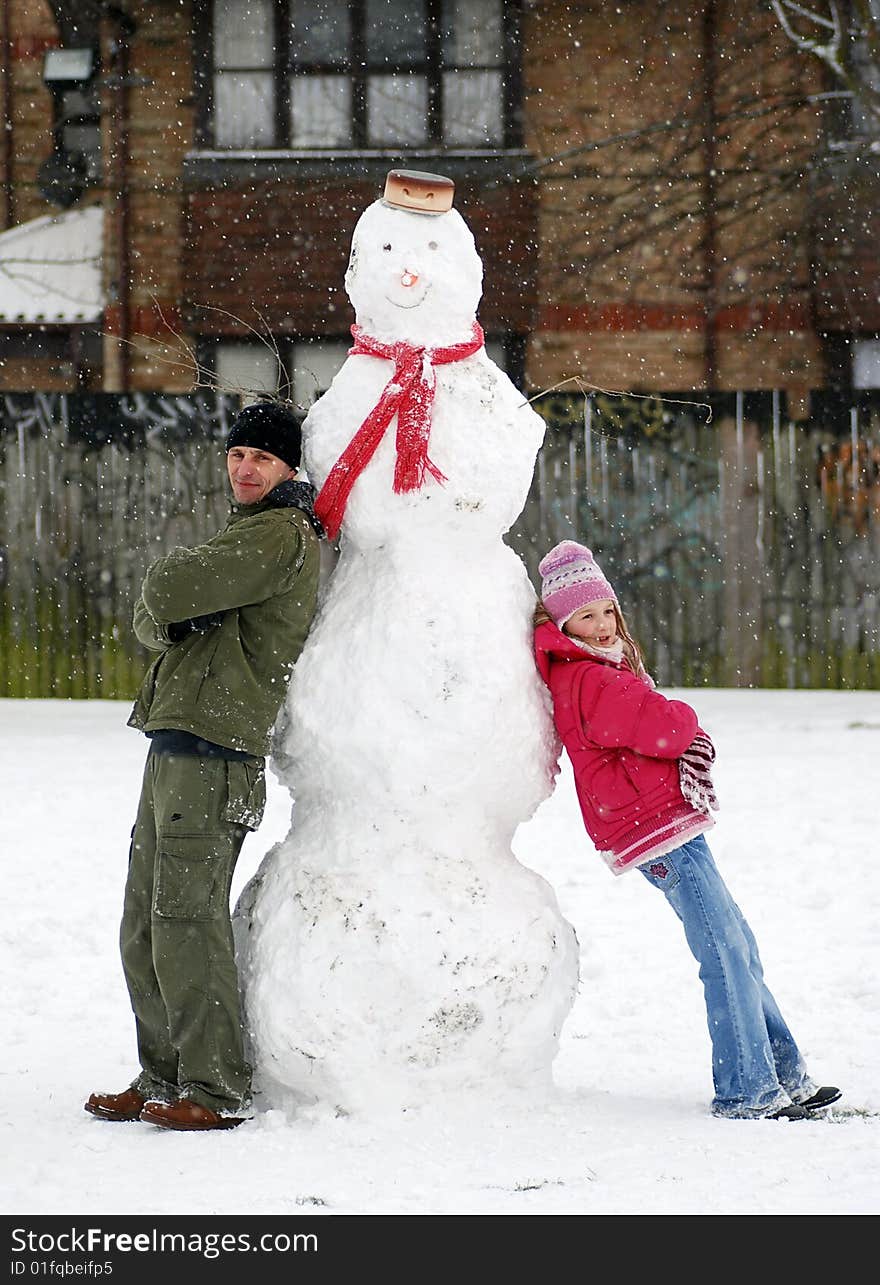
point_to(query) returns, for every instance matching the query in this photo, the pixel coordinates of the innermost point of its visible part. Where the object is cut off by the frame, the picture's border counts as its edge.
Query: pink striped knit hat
(570, 579)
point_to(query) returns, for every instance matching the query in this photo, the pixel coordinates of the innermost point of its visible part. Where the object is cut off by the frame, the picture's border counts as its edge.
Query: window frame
(354, 64)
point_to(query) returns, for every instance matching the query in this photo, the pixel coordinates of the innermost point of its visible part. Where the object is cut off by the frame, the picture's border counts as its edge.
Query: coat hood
(552, 646)
(292, 494)
(296, 494)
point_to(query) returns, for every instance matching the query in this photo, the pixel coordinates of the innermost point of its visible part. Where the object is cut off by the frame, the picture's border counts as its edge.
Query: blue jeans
(756, 1065)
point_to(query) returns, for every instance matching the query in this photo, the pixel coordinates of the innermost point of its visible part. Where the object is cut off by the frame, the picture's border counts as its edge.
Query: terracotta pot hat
(415, 190)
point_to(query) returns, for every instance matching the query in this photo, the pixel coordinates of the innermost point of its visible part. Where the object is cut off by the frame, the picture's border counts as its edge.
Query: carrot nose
(409, 278)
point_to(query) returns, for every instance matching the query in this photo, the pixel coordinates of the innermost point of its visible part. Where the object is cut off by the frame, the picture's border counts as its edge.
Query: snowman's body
(393, 944)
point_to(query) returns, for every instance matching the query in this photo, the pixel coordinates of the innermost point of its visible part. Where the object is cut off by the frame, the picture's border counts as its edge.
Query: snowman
(392, 946)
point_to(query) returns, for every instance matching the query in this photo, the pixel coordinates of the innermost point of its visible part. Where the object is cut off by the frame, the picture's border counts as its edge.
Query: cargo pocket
(192, 876)
(245, 793)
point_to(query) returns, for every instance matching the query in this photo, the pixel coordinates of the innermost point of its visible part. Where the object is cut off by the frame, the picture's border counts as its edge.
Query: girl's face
(595, 624)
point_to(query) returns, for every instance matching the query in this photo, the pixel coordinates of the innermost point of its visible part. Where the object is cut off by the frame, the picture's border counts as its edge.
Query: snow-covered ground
(627, 1128)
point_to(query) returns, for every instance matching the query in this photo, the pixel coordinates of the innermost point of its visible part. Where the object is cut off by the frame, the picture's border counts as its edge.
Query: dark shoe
(784, 1113)
(821, 1098)
(186, 1114)
(116, 1106)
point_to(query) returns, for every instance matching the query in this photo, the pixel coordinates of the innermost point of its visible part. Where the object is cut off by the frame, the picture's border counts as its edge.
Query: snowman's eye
(432, 245)
(387, 247)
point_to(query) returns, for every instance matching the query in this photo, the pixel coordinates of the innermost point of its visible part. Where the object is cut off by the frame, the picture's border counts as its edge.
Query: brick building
(665, 196)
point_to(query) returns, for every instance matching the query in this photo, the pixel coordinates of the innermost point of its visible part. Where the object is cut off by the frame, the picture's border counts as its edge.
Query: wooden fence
(92, 489)
(743, 544)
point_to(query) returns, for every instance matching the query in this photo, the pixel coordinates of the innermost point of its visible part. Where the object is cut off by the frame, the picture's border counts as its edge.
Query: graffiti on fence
(92, 489)
(746, 534)
(93, 420)
(849, 479)
(722, 537)
(34, 414)
(632, 417)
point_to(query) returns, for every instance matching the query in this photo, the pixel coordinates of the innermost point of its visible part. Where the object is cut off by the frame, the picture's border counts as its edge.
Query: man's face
(254, 473)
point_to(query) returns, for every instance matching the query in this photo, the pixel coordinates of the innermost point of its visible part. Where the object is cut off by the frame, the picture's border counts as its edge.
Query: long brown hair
(631, 649)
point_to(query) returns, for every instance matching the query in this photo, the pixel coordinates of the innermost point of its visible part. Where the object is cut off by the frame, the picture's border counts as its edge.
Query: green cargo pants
(176, 936)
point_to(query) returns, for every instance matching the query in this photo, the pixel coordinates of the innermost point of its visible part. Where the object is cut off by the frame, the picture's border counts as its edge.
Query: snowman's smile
(408, 295)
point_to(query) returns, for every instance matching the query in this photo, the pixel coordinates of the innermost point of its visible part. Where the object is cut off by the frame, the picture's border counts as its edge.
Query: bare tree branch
(848, 45)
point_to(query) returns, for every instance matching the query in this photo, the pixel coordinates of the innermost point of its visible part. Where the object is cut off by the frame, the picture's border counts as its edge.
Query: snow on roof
(50, 269)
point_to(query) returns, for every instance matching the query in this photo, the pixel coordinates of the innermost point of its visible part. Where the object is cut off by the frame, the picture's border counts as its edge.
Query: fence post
(742, 569)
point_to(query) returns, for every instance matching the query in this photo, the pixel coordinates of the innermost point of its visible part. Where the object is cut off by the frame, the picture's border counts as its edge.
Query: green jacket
(226, 682)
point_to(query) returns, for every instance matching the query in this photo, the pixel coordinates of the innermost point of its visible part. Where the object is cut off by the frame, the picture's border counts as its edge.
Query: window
(75, 163)
(79, 128)
(366, 74)
(307, 367)
(866, 363)
(244, 60)
(314, 362)
(247, 369)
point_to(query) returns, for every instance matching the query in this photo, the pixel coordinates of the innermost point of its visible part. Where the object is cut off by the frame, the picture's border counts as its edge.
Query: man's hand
(200, 623)
(179, 629)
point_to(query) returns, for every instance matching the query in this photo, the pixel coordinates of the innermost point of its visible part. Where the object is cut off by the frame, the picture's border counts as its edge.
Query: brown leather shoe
(186, 1114)
(116, 1106)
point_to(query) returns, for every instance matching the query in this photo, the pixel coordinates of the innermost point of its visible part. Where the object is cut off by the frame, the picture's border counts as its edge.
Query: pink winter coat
(623, 739)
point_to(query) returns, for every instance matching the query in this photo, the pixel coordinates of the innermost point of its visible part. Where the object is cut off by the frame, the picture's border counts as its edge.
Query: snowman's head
(414, 276)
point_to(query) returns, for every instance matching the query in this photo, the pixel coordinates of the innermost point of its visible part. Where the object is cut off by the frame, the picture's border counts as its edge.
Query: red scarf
(410, 393)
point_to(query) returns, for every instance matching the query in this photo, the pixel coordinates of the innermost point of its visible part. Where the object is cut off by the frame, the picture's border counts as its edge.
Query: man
(228, 618)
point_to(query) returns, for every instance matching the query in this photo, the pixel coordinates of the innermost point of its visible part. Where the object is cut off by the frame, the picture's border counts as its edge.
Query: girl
(641, 766)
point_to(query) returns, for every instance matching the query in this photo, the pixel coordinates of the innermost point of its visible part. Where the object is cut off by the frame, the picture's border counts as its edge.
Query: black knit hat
(267, 426)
